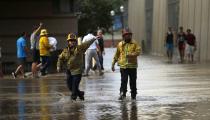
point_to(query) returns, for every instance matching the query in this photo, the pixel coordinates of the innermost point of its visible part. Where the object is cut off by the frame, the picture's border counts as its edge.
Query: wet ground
(165, 92)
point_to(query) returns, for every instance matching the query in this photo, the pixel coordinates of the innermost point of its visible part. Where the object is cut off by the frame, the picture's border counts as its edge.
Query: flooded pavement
(165, 92)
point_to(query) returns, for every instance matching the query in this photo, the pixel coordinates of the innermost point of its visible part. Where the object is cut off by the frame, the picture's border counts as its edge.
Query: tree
(96, 14)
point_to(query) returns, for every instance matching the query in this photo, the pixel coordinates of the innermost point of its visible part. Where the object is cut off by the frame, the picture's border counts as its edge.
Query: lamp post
(112, 13)
(122, 17)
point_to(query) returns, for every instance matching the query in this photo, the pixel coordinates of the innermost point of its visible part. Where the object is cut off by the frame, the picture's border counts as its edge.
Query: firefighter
(73, 55)
(126, 56)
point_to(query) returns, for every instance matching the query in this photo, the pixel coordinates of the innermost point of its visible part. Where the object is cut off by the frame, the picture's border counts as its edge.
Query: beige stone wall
(159, 26)
(195, 14)
(136, 21)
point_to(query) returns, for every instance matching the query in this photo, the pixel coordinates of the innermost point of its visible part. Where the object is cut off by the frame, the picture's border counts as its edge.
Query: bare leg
(33, 69)
(19, 69)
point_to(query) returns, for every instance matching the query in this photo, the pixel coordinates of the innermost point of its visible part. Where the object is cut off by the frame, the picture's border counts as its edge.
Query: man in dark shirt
(100, 50)
(191, 45)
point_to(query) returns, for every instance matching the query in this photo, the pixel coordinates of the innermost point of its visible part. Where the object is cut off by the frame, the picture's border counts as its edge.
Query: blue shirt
(21, 44)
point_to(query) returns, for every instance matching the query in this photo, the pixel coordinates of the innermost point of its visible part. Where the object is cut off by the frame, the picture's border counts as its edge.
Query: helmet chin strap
(72, 45)
(127, 40)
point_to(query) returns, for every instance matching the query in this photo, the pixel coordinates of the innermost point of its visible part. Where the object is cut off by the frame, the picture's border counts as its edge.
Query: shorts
(36, 56)
(169, 47)
(22, 61)
(190, 49)
(181, 46)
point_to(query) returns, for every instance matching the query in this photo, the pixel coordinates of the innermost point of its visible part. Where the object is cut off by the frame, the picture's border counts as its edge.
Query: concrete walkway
(165, 92)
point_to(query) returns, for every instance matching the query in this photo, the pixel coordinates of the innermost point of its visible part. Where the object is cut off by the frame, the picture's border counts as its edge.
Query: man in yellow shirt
(44, 49)
(126, 56)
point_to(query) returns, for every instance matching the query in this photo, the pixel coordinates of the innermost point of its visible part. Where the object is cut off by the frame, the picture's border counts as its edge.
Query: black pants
(73, 82)
(132, 73)
(45, 64)
(101, 60)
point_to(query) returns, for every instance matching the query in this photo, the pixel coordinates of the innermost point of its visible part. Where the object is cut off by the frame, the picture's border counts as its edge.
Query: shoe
(85, 75)
(122, 97)
(24, 76)
(101, 73)
(14, 75)
(73, 98)
(133, 96)
(81, 95)
(43, 74)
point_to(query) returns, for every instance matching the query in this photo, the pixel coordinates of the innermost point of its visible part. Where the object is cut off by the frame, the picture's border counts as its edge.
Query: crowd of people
(40, 47)
(92, 47)
(185, 43)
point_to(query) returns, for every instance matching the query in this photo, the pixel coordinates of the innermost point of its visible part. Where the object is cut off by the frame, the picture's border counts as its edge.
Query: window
(63, 6)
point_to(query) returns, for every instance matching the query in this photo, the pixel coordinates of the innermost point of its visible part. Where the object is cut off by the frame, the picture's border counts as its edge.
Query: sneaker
(24, 76)
(14, 75)
(85, 75)
(133, 98)
(43, 74)
(101, 73)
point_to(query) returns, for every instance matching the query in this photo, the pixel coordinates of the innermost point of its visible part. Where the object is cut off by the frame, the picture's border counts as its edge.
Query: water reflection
(129, 112)
(134, 111)
(44, 108)
(21, 102)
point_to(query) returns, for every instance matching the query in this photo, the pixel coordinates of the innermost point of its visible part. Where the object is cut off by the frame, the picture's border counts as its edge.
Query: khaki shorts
(190, 50)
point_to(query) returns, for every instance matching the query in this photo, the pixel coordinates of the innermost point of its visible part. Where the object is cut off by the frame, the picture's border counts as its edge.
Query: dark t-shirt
(101, 44)
(181, 38)
(169, 38)
(190, 39)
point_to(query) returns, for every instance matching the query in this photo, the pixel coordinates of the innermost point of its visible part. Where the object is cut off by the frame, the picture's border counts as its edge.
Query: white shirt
(34, 39)
(90, 37)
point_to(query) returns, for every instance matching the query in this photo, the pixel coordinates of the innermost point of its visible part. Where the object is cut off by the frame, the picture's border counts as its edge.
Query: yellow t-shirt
(44, 46)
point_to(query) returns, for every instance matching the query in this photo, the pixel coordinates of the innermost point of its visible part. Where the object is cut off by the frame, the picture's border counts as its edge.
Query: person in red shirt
(191, 45)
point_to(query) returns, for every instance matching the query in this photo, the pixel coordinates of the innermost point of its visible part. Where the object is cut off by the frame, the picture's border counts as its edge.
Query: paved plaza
(165, 92)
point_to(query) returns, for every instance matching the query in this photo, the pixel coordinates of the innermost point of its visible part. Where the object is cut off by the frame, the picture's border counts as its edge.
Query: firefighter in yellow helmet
(73, 55)
(126, 56)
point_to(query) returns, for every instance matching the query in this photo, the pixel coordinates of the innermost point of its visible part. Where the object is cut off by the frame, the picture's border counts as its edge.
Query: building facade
(150, 20)
(19, 16)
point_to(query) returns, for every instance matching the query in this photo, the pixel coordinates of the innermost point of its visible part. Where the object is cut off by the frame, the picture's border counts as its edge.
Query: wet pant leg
(133, 77)
(69, 79)
(124, 81)
(75, 86)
